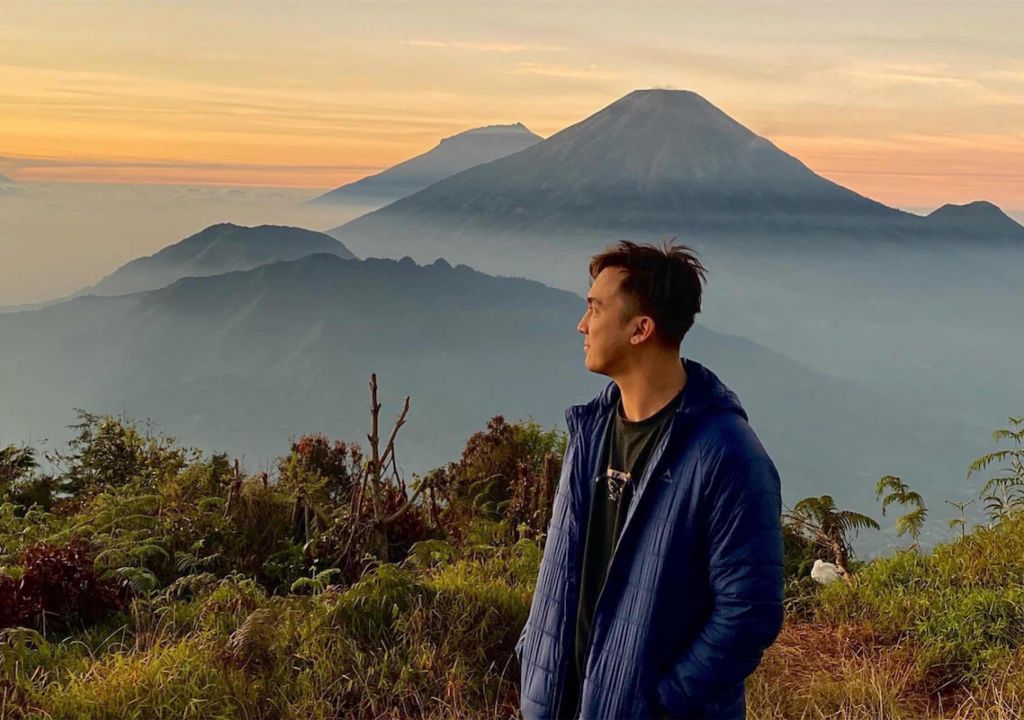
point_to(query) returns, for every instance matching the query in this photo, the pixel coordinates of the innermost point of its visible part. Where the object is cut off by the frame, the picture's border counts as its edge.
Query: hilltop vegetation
(143, 579)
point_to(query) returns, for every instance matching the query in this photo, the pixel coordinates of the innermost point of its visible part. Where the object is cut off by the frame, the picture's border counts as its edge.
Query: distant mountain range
(977, 217)
(800, 264)
(236, 337)
(653, 163)
(4, 180)
(240, 361)
(452, 155)
(220, 248)
(224, 247)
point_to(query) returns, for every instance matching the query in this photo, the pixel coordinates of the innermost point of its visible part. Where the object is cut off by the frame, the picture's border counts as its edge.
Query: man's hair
(664, 283)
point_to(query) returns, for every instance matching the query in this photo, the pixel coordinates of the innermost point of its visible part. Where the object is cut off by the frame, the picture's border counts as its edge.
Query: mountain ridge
(451, 155)
(979, 216)
(663, 160)
(215, 249)
(652, 164)
(286, 347)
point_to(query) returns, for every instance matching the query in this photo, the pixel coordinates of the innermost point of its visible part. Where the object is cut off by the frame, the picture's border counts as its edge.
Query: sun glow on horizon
(309, 96)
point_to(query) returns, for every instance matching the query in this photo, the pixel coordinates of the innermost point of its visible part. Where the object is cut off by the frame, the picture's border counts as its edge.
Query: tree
(1003, 493)
(20, 479)
(818, 519)
(508, 473)
(901, 494)
(109, 453)
(16, 463)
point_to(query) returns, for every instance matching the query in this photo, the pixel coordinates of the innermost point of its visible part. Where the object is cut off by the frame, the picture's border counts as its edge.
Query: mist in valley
(887, 344)
(56, 238)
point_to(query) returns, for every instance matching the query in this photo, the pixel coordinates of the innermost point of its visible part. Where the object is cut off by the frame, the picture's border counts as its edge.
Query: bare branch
(389, 449)
(373, 469)
(401, 511)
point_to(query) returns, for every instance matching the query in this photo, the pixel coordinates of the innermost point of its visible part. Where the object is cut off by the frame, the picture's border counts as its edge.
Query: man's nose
(582, 325)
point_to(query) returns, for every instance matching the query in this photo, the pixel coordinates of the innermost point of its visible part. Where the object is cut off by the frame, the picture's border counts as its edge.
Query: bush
(507, 473)
(314, 461)
(58, 586)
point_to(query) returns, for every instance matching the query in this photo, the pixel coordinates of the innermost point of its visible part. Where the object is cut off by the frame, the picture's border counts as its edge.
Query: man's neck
(649, 387)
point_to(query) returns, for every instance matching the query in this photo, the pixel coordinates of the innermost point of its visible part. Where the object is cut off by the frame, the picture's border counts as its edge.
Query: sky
(914, 104)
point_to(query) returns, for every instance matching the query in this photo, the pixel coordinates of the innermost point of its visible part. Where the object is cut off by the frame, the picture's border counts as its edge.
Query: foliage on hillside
(140, 579)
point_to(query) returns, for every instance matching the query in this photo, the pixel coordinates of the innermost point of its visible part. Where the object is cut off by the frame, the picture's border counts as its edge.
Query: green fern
(899, 493)
(140, 580)
(1004, 493)
(818, 519)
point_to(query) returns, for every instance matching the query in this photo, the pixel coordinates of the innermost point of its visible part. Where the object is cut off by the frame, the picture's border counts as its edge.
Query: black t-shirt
(625, 453)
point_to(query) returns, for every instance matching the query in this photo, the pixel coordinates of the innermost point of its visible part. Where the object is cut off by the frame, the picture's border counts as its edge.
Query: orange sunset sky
(914, 104)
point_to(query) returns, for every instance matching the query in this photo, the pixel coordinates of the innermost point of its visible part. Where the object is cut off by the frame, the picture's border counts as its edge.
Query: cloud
(782, 69)
(82, 94)
(935, 74)
(983, 86)
(492, 47)
(1016, 76)
(590, 72)
(23, 162)
(162, 171)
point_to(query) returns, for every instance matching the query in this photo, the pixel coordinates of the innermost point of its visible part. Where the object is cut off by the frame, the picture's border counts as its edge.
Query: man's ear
(644, 329)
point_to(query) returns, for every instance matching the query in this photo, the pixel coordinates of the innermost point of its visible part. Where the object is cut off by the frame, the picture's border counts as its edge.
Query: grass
(402, 642)
(211, 631)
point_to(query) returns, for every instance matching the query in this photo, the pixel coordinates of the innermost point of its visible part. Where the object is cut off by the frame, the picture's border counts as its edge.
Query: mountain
(452, 155)
(848, 286)
(217, 249)
(243, 360)
(658, 161)
(4, 180)
(977, 218)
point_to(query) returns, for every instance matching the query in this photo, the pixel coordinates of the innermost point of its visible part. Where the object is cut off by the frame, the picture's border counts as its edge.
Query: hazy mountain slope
(847, 285)
(217, 249)
(452, 155)
(241, 361)
(655, 160)
(977, 218)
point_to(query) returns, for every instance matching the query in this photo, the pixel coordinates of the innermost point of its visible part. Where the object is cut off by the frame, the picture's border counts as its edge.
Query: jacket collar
(704, 392)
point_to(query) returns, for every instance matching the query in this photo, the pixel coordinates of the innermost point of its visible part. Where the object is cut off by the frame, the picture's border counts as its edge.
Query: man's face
(606, 330)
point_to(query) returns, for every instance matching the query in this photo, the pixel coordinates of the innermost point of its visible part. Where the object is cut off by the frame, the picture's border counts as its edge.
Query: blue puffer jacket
(693, 594)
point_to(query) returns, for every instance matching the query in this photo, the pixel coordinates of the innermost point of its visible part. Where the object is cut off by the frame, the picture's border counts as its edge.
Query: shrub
(315, 459)
(59, 586)
(963, 604)
(507, 473)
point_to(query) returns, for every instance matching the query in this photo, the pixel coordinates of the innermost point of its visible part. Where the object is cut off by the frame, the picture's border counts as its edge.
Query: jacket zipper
(644, 481)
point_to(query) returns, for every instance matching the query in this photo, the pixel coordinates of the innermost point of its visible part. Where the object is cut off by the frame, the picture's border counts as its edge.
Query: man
(661, 581)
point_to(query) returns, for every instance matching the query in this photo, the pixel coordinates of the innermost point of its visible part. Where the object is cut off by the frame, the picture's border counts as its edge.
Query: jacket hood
(703, 393)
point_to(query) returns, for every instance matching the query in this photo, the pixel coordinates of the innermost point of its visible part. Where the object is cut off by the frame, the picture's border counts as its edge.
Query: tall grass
(405, 641)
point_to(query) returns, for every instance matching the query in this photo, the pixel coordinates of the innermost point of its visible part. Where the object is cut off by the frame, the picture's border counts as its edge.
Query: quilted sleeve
(550, 582)
(742, 507)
